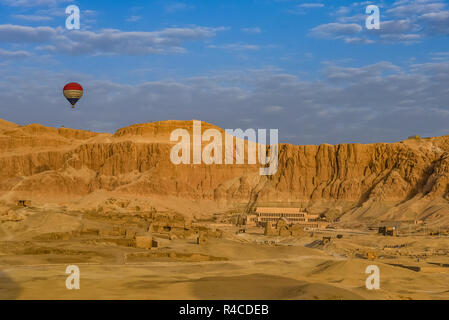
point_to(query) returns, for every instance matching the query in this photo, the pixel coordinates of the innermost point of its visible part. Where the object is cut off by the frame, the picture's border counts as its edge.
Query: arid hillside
(131, 170)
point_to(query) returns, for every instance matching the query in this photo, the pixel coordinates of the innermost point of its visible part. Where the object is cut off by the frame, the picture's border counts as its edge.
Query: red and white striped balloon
(73, 92)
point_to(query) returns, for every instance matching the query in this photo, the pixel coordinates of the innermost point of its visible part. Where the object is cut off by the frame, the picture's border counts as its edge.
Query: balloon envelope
(73, 92)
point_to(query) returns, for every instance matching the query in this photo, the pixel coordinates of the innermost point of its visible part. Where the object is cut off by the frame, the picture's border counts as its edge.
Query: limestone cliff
(406, 180)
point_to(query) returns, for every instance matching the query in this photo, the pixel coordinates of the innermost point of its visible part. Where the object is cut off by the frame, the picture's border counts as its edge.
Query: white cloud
(335, 30)
(110, 41)
(343, 11)
(409, 37)
(4, 54)
(358, 40)
(367, 72)
(134, 18)
(416, 7)
(33, 3)
(437, 22)
(273, 109)
(23, 34)
(254, 30)
(56, 12)
(32, 17)
(402, 22)
(303, 8)
(399, 26)
(311, 5)
(177, 6)
(440, 56)
(235, 47)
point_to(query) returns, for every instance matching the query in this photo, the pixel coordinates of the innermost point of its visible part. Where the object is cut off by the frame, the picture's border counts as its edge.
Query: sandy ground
(238, 266)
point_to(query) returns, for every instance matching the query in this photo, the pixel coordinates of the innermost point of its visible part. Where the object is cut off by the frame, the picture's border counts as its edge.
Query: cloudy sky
(309, 68)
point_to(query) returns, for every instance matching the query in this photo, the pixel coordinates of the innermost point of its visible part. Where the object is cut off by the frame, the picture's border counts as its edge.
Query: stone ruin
(201, 239)
(24, 203)
(178, 228)
(284, 229)
(145, 241)
(173, 227)
(140, 234)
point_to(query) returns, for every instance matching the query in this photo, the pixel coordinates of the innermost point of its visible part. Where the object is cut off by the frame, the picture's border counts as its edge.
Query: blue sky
(309, 68)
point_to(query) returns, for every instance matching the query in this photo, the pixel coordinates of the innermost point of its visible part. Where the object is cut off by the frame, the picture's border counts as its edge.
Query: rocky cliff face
(406, 180)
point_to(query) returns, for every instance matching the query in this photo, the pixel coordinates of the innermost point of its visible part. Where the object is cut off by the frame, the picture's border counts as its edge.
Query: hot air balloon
(73, 92)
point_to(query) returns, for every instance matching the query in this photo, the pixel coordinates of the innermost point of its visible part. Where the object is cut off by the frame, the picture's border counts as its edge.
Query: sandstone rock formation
(84, 170)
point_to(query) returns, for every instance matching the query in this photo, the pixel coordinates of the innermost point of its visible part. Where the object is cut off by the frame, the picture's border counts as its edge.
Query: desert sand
(235, 266)
(90, 194)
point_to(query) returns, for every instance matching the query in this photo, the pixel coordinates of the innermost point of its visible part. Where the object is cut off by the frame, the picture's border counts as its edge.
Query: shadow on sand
(267, 287)
(9, 289)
